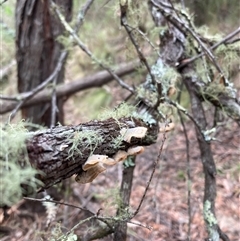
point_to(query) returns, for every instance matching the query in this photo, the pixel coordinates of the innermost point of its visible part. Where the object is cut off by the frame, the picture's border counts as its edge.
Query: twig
(5, 70)
(4, 97)
(183, 26)
(184, 111)
(151, 176)
(31, 93)
(80, 18)
(224, 40)
(82, 14)
(95, 80)
(58, 202)
(189, 178)
(54, 108)
(123, 8)
(86, 50)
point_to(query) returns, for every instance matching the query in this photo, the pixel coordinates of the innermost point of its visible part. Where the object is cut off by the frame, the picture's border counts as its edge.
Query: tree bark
(51, 151)
(38, 51)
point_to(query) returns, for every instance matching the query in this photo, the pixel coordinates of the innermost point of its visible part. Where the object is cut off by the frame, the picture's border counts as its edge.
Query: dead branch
(87, 51)
(65, 90)
(172, 50)
(78, 24)
(60, 152)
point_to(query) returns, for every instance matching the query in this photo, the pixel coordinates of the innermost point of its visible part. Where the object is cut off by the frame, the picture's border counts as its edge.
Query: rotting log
(59, 153)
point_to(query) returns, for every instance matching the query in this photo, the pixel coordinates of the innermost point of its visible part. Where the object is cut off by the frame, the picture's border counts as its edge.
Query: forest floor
(165, 207)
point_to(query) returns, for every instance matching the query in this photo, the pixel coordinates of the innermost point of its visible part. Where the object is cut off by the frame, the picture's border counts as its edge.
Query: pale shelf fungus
(95, 163)
(138, 132)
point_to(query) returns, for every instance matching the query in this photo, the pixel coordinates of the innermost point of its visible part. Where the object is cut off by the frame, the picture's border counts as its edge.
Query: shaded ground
(165, 207)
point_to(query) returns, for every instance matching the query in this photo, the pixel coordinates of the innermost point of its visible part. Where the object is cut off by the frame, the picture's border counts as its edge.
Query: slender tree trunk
(38, 51)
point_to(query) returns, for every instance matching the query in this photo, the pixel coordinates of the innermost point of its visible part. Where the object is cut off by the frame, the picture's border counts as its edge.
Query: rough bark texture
(51, 151)
(38, 51)
(120, 232)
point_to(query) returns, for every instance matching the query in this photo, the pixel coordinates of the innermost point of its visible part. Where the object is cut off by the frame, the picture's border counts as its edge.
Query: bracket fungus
(120, 156)
(132, 151)
(90, 174)
(94, 166)
(138, 132)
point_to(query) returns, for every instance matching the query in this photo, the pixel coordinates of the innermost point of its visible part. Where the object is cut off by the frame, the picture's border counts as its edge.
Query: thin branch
(31, 93)
(5, 70)
(129, 31)
(224, 40)
(151, 176)
(82, 14)
(54, 108)
(65, 90)
(86, 50)
(80, 18)
(58, 202)
(184, 111)
(9, 98)
(183, 27)
(189, 179)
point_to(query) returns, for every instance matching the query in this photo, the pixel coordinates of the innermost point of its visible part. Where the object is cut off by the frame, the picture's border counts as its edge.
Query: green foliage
(14, 165)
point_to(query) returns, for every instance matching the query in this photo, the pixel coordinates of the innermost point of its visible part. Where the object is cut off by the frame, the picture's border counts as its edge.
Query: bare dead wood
(50, 151)
(65, 90)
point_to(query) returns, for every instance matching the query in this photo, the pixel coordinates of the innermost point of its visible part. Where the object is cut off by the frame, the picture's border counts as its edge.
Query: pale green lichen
(211, 221)
(116, 142)
(164, 75)
(90, 138)
(14, 165)
(208, 215)
(123, 110)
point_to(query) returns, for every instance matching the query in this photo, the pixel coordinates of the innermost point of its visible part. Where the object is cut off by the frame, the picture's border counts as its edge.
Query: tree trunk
(38, 51)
